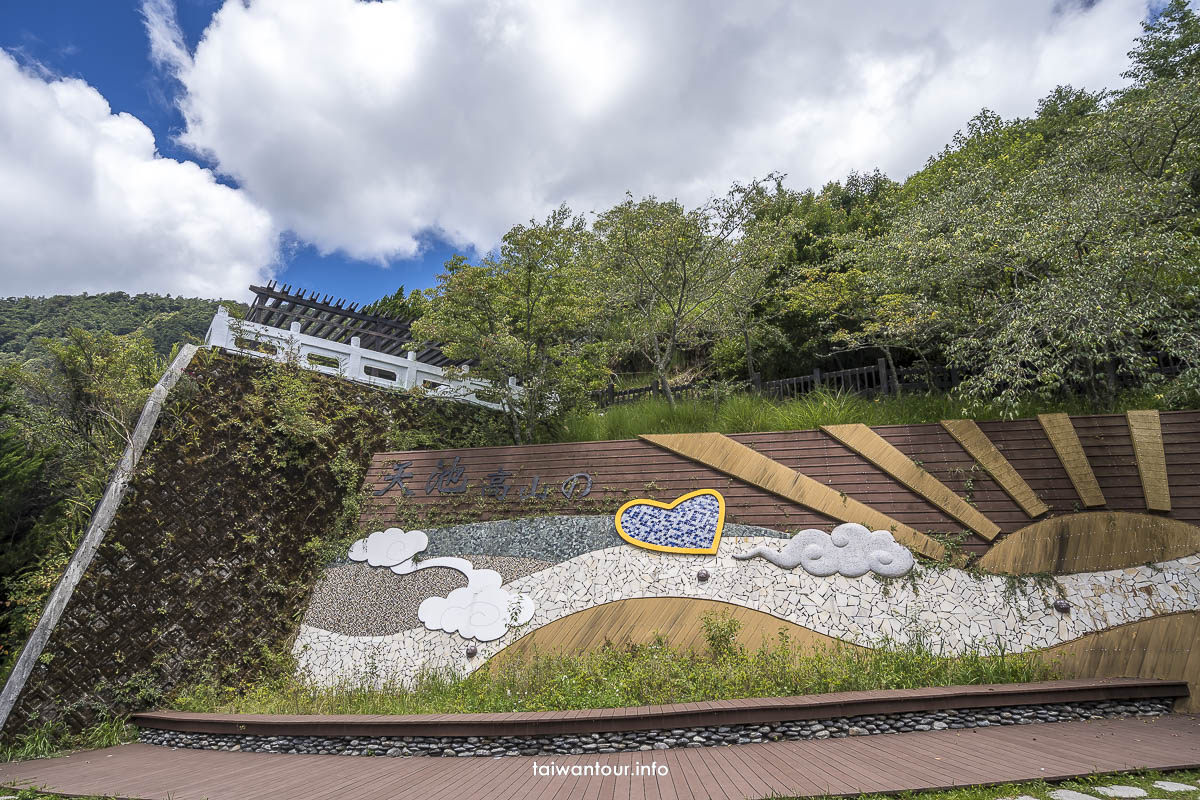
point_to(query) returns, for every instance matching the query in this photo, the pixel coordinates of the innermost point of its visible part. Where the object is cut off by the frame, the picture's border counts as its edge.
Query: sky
(194, 147)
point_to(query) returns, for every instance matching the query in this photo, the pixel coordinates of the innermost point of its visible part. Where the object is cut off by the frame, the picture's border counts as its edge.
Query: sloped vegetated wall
(249, 485)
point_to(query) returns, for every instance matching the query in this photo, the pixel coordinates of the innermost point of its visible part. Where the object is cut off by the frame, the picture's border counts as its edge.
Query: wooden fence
(876, 379)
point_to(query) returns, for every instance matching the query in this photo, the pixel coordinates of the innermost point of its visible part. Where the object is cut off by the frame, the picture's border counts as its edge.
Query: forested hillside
(74, 373)
(164, 320)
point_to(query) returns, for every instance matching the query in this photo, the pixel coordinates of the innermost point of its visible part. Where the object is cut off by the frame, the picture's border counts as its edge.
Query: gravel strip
(355, 599)
(576, 744)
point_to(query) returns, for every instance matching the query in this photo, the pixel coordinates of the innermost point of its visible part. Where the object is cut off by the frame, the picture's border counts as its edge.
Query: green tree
(759, 259)
(166, 320)
(527, 313)
(1169, 46)
(1053, 275)
(25, 490)
(67, 419)
(671, 269)
(96, 384)
(398, 305)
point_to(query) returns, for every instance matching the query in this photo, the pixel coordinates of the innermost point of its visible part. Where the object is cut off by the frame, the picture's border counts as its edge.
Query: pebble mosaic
(356, 599)
(953, 609)
(552, 539)
(661, 739)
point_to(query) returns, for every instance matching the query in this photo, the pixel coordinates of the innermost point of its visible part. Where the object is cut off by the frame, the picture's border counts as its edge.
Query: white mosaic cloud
(952, 609)
(851, 550)
(480, 610)
(389, 548)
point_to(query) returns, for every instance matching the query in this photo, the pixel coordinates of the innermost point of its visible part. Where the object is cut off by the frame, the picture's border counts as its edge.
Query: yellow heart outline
(662, 548)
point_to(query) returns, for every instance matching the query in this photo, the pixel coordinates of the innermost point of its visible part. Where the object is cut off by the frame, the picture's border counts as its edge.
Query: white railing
(343, 360)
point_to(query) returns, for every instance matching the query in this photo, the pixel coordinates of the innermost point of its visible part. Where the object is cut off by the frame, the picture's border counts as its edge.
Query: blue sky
(104, 43)
(196, 146)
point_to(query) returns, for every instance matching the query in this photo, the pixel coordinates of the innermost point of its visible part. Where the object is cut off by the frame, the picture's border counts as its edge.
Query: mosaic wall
(954, 609)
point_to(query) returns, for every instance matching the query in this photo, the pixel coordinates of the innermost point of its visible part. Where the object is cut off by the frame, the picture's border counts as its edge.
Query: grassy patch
(632, 675)
(748, 413)
(54, 738)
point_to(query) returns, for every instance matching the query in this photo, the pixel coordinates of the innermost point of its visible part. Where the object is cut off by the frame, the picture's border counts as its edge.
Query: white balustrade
(337, 358)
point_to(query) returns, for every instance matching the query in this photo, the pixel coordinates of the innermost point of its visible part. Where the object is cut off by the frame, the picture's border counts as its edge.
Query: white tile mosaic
(953, 609)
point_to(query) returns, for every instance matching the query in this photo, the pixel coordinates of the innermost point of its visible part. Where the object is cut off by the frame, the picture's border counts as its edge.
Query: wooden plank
(1066, 444)
(622, 467)
(906, 762)
(968, 434)
(733, 458)
(1146, 431)
(874, 448)
(1090, 542)
(1160, 647)
(636, 620)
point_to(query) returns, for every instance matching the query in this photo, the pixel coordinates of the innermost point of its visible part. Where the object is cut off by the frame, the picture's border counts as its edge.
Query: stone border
(98, 525)
(660, 739)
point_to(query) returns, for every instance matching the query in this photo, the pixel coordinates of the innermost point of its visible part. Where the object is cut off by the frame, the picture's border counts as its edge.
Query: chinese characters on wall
(450, 478)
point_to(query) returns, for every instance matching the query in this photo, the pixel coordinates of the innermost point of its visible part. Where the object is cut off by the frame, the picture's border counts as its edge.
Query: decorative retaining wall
(986, 480)
(214, 550)
(951, 609)
(1100, 513)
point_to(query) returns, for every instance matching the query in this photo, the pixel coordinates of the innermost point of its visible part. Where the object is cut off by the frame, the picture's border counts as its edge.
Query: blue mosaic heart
(691, 524)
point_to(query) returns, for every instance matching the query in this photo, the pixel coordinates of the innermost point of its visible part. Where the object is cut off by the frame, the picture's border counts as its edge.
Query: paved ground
(913, 761)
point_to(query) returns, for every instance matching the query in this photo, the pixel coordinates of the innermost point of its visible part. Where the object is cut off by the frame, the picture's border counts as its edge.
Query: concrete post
(354, 368)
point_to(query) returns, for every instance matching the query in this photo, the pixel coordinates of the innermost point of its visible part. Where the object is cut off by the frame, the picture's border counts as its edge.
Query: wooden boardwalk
(868, 764)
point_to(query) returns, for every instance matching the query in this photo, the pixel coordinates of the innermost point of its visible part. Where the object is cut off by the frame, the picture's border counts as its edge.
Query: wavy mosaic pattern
(954, 609)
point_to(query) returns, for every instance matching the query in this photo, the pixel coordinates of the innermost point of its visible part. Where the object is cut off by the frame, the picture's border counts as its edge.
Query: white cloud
(480, 610)
(361, 124)
(484, 614)
(389, 548)
(86, 204)
(850, 549)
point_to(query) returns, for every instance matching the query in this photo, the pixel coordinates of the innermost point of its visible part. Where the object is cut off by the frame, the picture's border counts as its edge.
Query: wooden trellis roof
(335, 319)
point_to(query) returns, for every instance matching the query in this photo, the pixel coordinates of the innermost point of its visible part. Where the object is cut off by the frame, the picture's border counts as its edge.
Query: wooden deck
(868, 764)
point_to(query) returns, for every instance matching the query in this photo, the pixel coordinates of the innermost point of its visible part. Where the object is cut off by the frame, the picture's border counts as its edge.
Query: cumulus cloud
(851, 550)
(86, 203)
(362, 124)
(480, 610)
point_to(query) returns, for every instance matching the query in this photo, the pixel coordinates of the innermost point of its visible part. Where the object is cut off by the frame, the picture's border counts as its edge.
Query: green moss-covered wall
(249, 485)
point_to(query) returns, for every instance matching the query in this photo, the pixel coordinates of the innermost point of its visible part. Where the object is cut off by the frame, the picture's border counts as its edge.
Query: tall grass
(634, 675)
(747, 413)
(52, 738)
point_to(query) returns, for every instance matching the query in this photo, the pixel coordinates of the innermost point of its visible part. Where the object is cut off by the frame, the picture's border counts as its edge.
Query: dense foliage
(524, 313)
(164, 320)
(65, 418)
(1039, 258)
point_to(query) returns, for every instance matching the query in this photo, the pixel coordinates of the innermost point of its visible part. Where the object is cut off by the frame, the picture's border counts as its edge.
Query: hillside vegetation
(1041, 258)
(164, 320)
